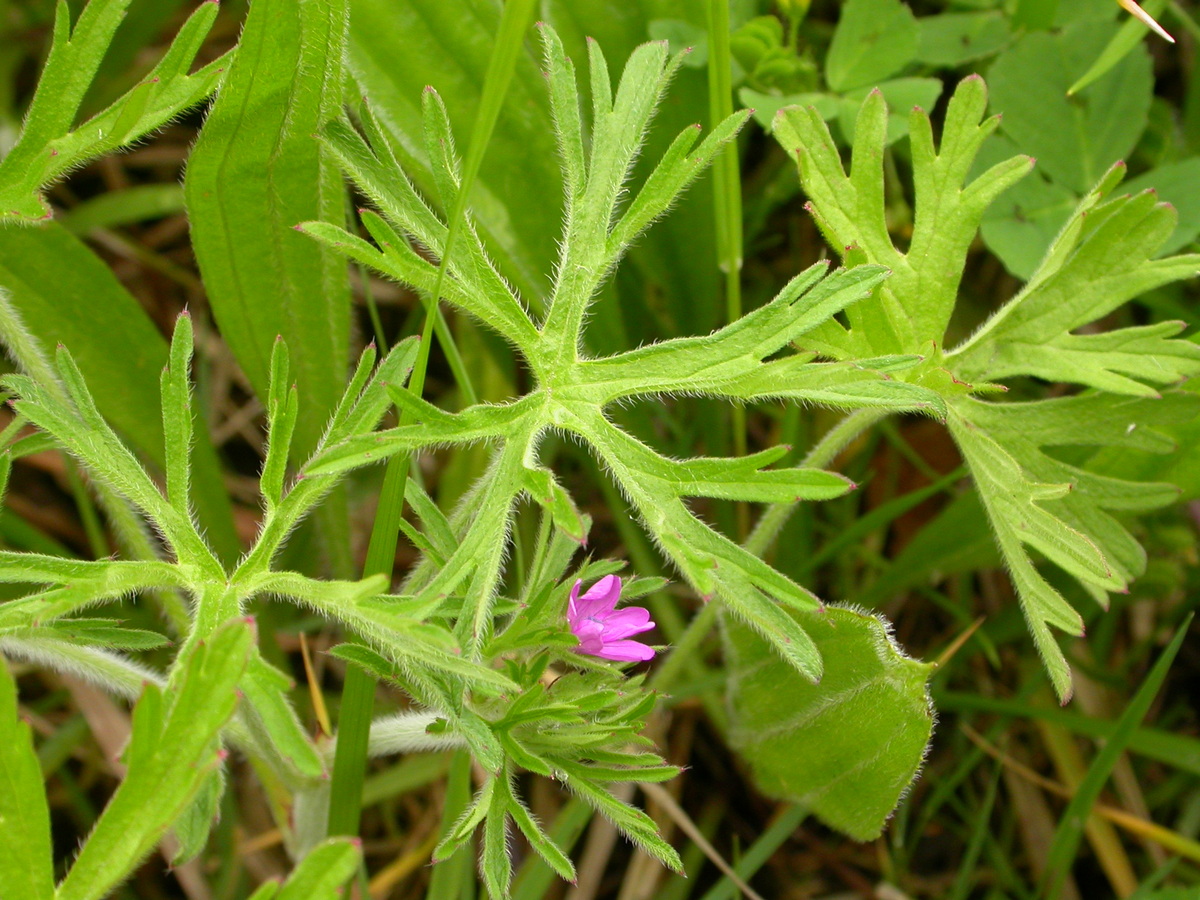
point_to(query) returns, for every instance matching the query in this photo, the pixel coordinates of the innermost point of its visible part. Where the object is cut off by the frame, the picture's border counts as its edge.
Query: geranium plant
(524, 657)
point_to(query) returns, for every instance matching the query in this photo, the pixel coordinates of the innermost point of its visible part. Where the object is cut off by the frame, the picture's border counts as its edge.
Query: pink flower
(601, 628)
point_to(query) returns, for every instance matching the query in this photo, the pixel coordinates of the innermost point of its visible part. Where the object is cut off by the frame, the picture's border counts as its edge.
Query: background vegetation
(1079, 87)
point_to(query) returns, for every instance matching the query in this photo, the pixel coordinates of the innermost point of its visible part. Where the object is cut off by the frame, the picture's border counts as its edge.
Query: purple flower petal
(600, 599)
(624, 622)
(607, 588)
(591, 637)
(601, 628)
(626, 651)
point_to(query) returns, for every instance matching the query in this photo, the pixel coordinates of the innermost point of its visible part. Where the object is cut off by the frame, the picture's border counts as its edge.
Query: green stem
(727, 202)
(358, 692)
(684, 650)
(372, 308)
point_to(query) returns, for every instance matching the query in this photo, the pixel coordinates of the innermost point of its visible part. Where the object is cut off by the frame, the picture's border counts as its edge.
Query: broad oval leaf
(848, 746)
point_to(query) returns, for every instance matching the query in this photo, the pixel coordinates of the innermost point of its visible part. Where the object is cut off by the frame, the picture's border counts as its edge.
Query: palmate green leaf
(570, 392)
(682, 163)
(1092, 418)
(173, 747)
(900, 95)
(33, 627)
(847, 747)
(1101, 259)
(26, 854)
(1027, 217)
(733, 353)
(1173, 183)
(1111, 361)
(1031, 86)
(729, 480)
(1181, 468)
(1033, 500)
(569, 396)
(362, 405)
(1021, 428)
(254, 174)
(50, 146)
(267, 727)
(953, 38)
(664, 261)
(914, 305)
(77, 424)
(846, 385)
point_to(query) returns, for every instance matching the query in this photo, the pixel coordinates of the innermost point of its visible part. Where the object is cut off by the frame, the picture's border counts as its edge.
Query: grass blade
(1070, 827)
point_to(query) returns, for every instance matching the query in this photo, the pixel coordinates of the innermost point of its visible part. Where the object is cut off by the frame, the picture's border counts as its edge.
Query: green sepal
(631, 822)
(541, 842)
(460, 832)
